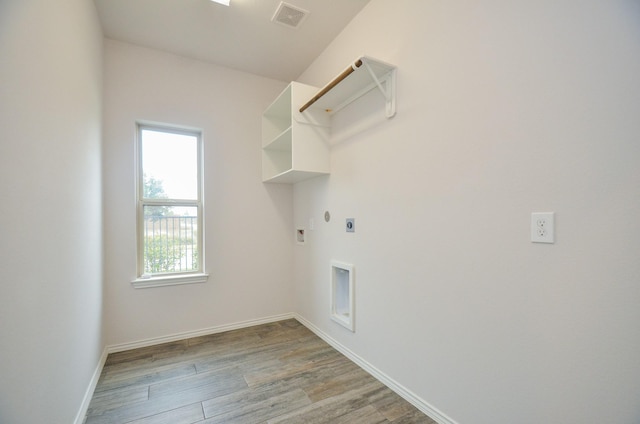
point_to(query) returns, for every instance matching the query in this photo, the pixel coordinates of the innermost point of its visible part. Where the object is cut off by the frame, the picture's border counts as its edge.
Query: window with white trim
(170, 207)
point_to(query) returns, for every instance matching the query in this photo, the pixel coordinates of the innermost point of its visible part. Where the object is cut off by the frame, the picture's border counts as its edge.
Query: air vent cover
(289, 15)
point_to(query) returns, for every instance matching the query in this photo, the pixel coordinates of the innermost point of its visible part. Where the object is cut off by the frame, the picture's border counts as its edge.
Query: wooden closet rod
(332, 84)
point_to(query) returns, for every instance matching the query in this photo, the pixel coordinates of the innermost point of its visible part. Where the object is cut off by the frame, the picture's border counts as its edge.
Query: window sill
(169, 280)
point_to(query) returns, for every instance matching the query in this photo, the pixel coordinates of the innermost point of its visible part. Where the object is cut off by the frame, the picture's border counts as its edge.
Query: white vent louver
(289, 15)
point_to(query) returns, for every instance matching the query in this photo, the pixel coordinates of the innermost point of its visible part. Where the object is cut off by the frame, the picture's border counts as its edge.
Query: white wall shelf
(364, 75)
(295, 145)
(295, 139)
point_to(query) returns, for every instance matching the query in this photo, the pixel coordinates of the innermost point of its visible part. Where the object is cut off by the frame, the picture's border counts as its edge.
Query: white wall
(249, 234)
(50, 208)
(504, 108)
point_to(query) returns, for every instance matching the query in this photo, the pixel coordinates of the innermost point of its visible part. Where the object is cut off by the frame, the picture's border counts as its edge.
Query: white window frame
(167, 279)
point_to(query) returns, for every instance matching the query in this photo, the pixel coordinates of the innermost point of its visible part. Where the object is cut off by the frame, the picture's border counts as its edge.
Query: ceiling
(240, 36)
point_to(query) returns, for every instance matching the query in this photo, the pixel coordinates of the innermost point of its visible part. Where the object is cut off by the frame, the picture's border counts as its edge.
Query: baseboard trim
(402, 391)
(196, 333)
(84, 407)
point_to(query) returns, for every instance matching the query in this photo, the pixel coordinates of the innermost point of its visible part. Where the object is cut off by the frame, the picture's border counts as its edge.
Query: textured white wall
(249, 225)
(504, 108)
(50, 208)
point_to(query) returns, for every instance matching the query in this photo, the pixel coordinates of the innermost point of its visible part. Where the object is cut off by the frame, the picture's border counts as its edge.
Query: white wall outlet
(543, 227)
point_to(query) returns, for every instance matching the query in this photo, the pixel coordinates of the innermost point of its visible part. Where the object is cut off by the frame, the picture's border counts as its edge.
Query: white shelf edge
(293, 176)
(273, 144)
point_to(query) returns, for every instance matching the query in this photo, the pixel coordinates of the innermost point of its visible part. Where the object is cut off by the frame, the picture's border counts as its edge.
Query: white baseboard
(196, 333)
(402, 391)
(92, 387)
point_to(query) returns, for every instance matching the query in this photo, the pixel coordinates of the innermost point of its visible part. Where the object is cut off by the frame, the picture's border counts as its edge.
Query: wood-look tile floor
(278, 373)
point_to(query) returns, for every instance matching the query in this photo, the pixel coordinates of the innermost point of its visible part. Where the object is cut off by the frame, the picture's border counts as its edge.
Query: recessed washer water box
(343, 294)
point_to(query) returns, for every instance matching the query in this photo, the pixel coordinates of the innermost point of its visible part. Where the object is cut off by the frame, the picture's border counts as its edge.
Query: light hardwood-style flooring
(278, 373)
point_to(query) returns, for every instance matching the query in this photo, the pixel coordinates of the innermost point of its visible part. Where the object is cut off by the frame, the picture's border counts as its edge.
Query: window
(170, 210)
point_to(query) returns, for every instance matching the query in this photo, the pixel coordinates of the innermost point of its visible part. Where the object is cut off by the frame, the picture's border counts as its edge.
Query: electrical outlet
(543, 227)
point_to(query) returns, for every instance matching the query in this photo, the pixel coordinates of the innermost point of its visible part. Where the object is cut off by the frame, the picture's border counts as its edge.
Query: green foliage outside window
(166, 254)
(161, 254)
(153, 189)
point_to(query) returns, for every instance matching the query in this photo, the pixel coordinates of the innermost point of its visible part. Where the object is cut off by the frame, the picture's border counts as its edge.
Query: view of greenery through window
(170, 238)
(170, 201)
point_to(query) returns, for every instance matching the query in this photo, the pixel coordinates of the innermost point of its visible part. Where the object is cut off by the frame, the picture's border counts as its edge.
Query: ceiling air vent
(289, 15)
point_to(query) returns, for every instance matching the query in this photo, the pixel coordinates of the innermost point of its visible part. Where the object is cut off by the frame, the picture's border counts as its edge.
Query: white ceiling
(240, 36)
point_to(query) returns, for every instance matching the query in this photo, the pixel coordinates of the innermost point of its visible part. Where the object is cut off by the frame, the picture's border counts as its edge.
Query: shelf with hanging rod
(362, 76)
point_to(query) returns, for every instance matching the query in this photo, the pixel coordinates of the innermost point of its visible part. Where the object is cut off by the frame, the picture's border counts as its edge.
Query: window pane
(170, 239)
(169, 165)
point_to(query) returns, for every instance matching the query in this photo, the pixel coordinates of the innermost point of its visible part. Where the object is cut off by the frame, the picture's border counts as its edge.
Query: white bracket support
(388, 90)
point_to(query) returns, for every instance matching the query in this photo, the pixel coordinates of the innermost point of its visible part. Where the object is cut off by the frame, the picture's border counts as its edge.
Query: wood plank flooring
(278, 373)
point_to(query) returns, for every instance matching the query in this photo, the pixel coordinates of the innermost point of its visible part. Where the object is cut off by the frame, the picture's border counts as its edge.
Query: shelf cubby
(295, 145)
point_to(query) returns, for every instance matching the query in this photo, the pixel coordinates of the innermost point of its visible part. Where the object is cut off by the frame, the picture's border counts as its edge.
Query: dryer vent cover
(289, 15)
